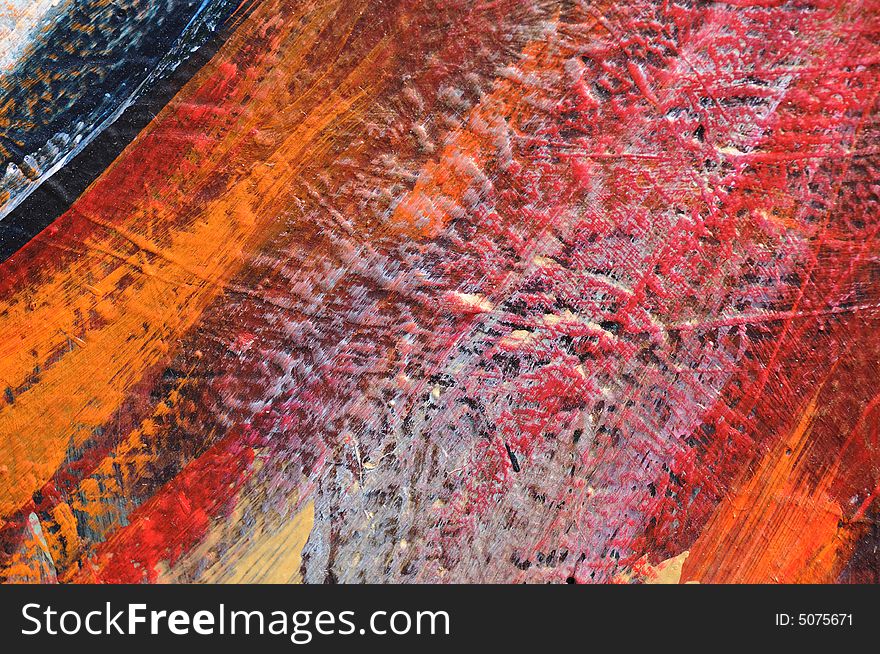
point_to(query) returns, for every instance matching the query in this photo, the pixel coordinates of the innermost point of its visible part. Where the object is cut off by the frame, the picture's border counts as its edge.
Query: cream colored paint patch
(668, 571)
(269, 557)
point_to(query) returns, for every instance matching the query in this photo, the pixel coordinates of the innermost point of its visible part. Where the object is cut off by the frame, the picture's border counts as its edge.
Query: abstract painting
(439, 291)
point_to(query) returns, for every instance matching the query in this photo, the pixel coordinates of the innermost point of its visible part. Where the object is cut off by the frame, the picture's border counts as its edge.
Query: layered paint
(20, 22)
(464, 291)
(71, 68)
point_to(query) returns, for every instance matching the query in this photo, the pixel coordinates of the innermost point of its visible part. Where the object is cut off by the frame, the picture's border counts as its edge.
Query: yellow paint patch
(269, 558)
(668, 571)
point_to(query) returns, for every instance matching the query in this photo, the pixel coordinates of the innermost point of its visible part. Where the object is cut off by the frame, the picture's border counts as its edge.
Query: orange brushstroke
(144, 277)
(779, 527)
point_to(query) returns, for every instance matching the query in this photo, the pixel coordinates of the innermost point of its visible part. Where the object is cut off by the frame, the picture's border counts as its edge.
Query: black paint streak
(56, 195)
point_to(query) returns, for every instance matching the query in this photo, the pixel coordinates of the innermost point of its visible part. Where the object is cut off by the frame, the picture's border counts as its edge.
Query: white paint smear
(19, 23)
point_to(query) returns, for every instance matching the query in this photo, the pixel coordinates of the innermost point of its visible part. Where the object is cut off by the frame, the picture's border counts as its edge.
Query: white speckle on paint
(19, 20)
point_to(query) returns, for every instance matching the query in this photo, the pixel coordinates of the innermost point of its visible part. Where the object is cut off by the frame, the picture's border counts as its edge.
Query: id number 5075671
(814, 619)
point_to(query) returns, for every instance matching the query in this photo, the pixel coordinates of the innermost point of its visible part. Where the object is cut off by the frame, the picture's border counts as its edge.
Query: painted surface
(453, 291)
